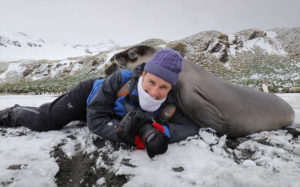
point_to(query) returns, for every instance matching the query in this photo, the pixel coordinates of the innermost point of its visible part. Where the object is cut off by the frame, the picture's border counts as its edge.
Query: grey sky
(132, 21)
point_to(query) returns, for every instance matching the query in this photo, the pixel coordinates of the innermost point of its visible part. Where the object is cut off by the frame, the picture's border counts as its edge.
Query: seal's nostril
(121, 59)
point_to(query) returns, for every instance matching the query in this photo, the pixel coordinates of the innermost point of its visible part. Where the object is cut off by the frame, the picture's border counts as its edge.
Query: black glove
(129, 126)
(155, 141)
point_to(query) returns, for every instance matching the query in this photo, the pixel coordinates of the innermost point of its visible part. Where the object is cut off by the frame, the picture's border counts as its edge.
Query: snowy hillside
(75, 157)
(21, 46)
(250, 57)
(247, 41)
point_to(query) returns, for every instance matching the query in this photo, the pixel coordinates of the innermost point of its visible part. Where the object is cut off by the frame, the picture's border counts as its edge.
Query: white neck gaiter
(147, 103)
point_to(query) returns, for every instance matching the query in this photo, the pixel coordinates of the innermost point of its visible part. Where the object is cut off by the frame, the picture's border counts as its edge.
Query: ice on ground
(294, 101)
(25, 100)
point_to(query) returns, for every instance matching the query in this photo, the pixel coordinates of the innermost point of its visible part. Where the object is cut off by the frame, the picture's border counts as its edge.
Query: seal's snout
(119, 60)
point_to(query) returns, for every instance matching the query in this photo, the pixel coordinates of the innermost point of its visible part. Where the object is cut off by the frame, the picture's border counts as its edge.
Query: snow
(202, 160)
(32, 151)
(50, 52)
(44, 49)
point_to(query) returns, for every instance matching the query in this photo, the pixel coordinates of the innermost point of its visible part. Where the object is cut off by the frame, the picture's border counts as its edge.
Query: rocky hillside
(249, 57)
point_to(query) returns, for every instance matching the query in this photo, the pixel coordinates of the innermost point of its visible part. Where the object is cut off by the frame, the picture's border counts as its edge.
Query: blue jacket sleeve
(100, 109)
(181, 127)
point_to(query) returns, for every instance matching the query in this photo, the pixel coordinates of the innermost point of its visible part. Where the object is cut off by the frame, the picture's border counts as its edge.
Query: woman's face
(156, 87)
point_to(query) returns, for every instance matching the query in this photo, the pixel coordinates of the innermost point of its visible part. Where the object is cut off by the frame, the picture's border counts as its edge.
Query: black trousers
(68, 107)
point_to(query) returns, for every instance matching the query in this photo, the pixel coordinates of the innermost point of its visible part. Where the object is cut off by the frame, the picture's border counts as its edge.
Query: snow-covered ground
(27, 158)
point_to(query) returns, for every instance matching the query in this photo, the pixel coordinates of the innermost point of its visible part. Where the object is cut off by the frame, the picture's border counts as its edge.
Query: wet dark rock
(17, 166)
(7, 183)
(29, 44)
(72, 137)
(95, 62)
(275, 170)
(246, 154)
(1, 44)
(3, 131)
(16, 43)
(178, 169)
(232, 143)
(224, 56)
(88, 51)
(28, 71)
(58, 65)
(99, 142)
(66, 71)
(293, 132)
(257, 34)
(126, 162)
(216, 48)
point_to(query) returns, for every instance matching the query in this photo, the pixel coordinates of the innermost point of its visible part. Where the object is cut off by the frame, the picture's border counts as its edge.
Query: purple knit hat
(166, 64)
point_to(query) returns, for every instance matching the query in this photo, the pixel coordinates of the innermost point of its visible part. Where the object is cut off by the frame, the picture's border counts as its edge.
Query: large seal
(212, 102)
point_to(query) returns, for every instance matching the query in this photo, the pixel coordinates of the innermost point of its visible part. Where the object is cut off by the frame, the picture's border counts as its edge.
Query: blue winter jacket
(105, 110)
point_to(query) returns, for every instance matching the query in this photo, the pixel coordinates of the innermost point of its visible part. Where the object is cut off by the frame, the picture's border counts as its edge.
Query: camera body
(137, 122)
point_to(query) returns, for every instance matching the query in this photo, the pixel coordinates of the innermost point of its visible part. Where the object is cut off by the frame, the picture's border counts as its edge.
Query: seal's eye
(132, 55)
